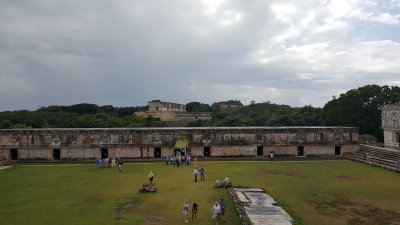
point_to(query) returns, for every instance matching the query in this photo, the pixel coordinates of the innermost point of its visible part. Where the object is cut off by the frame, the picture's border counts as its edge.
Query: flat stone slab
(261, 208)
(249, 190)
(243, 197)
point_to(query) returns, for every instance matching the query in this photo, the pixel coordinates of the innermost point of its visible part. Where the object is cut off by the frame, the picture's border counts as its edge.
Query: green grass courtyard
(312, 192)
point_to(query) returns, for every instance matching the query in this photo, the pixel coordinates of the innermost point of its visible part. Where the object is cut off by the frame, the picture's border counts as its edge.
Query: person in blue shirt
(166, 159)
(202, 174)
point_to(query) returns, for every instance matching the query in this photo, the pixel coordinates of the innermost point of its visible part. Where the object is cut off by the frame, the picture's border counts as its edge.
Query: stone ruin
(226, 183)
(148, 188)
(255, 207)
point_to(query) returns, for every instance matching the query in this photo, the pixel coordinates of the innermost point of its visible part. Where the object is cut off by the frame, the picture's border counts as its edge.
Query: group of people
(110, 163)
(218, 210)
(181, 158)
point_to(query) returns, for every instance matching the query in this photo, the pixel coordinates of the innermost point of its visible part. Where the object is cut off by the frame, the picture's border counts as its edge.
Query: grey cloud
(126, 53)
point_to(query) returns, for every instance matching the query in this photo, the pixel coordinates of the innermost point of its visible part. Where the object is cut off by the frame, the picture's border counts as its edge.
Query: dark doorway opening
(338, 150)
(104, 153)
(207, 151)
(398, 139)
(14, 154)
(56, 154)
(157, 152)
(300, 150)
(260, 151)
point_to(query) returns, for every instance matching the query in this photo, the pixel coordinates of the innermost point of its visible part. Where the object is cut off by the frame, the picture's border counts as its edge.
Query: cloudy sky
(125, 53)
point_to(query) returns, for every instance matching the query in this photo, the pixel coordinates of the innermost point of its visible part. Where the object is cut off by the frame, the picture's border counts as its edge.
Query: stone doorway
(260, 151)
(300, 150)
(14, 154)
(207, 151)
(338, 150)
(157, 152)
(56, 154)
(104, 153)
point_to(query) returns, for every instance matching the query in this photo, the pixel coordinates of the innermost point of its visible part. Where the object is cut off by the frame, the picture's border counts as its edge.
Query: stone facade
(133, 143)
(391, 125)
(159, 106)
(227, 107)
(173, 112)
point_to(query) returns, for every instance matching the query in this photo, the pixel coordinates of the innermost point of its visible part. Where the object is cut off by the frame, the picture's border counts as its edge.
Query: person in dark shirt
(194, 210)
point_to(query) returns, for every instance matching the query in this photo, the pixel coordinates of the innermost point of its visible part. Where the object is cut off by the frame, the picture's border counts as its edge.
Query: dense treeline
(357, 107)
(361, 108)
(80, 115)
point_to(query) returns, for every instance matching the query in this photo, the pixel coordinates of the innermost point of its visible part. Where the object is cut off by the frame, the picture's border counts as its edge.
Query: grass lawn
(312, 192)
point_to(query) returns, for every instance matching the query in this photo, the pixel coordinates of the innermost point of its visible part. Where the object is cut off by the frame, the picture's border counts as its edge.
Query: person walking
(195, 174)
(194, 210)
(120, 168)
(202, 174)
(185, 210)
(222, 205)
(216, 210)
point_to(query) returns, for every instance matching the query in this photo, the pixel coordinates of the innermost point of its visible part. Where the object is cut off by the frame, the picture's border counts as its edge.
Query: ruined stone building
(159, 106)
(227, 107)
(174, 113)
(391, 125)
(146, 143)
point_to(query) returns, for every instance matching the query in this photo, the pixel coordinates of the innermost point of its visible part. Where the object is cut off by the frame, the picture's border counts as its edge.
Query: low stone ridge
(256, 207)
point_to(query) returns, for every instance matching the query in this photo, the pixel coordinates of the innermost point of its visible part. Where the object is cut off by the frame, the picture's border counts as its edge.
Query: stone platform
(260, 208)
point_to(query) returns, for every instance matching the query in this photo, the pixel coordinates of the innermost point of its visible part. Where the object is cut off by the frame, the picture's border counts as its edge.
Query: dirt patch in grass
(125, 206)
(289, 174)
(153, 220)
(348, 177)
(357, 213)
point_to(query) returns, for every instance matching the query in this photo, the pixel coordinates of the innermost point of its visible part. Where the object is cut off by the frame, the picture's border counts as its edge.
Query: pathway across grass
(325, 192)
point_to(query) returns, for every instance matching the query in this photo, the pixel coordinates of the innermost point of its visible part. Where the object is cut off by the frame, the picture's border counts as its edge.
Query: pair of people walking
(218, 210)
(186, 210)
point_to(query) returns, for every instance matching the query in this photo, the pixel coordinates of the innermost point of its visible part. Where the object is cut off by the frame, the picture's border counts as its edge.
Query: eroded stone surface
(261, 208)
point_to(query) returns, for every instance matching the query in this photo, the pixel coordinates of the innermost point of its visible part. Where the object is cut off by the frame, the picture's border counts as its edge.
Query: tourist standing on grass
(188, 159)
(194, 210)
(151, 177)
(185, 210)
(271, 154)
(216, 210)
(98, 162)
(120, 168)
(166, 159)
(113, 162)
(369, 158)
(171, 159)
(195, 174)
(201, 174)
(222, 205)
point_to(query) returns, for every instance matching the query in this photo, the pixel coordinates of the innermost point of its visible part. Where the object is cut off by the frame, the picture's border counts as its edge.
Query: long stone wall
(131, 143)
